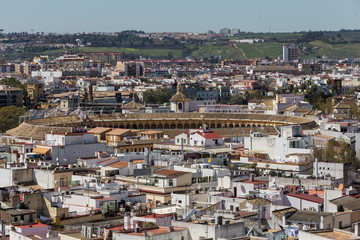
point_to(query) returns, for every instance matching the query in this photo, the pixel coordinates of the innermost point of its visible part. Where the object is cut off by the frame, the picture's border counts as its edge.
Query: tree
(237, 99)
(337, 152)
(150, 224)
(9, 117)
(157, 96)
(291, 88)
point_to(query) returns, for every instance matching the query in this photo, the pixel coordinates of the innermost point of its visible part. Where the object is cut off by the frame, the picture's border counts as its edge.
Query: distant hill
(333, 44)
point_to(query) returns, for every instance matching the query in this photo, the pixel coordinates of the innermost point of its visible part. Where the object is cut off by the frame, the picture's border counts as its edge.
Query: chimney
(357, 229)
(259, 218)
(283, 220)
(319, 217)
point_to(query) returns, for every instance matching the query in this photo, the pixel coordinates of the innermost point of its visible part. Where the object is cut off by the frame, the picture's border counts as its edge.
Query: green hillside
(155, 52)
(233, 51)
(348, 50)
(241, 51)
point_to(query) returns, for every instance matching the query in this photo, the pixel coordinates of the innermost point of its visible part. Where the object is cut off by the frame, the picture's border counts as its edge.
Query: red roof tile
(307, 197)
(170, 173)
(35, 225)
(119, 164)
(256, 182)
(209, 135)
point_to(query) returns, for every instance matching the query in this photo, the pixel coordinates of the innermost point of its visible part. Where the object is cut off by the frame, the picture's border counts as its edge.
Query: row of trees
(122, 39)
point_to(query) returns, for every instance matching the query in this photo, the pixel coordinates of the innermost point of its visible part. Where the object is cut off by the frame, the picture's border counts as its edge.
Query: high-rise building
(225, 31)
(290, 53)
(234, 31)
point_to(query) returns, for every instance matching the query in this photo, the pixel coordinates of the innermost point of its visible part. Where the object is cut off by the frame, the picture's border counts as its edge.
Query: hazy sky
(180, 16)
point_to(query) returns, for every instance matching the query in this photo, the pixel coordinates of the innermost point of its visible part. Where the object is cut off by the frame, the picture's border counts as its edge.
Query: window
(178, 140)
(179, 201)
(62, 182)
(171, 182)
(340, 224)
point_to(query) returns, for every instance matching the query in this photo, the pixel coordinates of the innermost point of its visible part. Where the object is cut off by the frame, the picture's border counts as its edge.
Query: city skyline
(114, 16)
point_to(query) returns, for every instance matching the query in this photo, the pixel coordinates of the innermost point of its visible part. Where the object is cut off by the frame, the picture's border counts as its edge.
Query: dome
(179, 97)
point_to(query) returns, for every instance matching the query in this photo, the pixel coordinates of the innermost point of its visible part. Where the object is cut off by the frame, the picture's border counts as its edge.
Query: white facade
(196, 104)
(199, 138)
(243, 188)
(180, 107)
(132, 221)
(66, 149)
(299, 203)
(290, 142)
(330, 169)
(36, 229)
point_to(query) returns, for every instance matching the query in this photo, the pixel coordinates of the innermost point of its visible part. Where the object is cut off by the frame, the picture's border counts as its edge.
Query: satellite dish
(341, 186)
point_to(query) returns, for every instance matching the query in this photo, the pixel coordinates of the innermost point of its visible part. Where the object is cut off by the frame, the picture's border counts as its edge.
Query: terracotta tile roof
(258, 201)
(243, 213)
(119, 164)
(133, 105)
(256, 182)
(170, 173)
(179, 97)
(99, 130)
(279, 213)
(325, 136)
(341, 105)
(41, 150)
(150, 132)
(118, 132)
(307, 197)
(35, 225)
(156, 231)
(301, 109)
(138, 161)
(106, 161)
(210, 135)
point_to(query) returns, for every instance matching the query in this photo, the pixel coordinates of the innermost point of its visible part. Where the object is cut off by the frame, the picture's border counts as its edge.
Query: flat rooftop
(335, 234)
